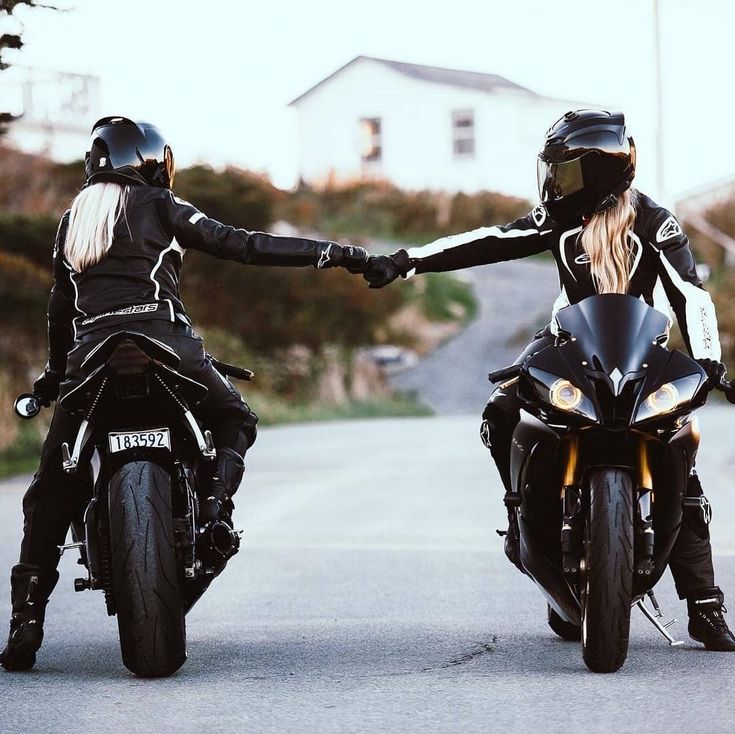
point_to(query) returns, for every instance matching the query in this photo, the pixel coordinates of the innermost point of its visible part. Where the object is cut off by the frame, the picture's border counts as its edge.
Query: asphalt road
(372, 595)
(514, 301)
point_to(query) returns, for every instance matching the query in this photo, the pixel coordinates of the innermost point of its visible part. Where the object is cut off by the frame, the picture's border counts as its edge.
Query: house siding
(416, 132)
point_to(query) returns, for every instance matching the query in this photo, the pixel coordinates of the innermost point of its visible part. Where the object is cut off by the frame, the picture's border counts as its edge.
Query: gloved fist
(384, 269)
(46, 387)
(715, 370)
(354, 259)
(349, 257)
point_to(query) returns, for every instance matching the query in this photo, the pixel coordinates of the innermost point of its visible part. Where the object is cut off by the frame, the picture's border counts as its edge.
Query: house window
(371, 148)
(463, 133)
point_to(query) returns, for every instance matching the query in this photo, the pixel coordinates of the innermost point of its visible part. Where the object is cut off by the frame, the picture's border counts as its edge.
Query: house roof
(436, 74)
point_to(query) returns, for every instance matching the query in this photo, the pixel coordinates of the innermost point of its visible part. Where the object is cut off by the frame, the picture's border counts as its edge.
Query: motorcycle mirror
(27, 406)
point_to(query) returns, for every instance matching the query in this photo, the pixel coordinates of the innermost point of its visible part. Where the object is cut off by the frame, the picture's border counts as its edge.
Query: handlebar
(230, 370)
(507, 373)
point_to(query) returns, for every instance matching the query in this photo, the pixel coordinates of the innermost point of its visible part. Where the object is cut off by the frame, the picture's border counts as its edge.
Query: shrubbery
(380, 210)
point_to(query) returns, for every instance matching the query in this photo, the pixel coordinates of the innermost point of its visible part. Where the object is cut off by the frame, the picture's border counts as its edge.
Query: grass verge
(275, 411)
(22, 456)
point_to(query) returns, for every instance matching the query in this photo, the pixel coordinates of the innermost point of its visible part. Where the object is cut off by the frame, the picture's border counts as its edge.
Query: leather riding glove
(384, 269)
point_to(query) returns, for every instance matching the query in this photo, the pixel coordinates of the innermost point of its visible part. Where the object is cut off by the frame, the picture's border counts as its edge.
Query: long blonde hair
(94, 212)
(605, 240)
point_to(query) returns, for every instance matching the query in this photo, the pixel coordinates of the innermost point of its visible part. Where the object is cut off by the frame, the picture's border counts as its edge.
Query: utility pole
(660, 180)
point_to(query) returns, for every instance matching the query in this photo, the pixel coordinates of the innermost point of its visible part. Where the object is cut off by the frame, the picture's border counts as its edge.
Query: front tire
(150, 612)
(608, 585)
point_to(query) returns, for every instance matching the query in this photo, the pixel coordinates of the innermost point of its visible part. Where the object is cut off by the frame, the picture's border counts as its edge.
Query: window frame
(375, 126)
(464, 134)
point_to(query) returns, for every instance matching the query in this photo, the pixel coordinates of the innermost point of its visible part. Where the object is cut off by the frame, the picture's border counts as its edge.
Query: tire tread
(610, 570)
(150, 611)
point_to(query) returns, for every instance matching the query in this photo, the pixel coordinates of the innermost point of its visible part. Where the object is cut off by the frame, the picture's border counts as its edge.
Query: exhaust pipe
(219, 542)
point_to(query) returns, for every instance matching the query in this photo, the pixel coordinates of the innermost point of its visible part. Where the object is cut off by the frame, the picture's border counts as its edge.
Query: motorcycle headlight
(565, 396)
(562, 394)
(668, 397)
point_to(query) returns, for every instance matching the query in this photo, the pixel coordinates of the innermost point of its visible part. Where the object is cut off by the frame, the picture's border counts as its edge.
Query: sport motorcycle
(138, 535)
(599, 464)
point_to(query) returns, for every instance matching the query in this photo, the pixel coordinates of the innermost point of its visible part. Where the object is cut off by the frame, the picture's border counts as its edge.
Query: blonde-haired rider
(605, 238)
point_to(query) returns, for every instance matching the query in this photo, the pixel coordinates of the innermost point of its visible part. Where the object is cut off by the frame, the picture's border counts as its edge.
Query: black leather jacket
(663, 271)
(138, 278)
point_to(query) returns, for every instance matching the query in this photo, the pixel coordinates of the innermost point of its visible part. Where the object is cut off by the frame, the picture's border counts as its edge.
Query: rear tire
(150, 612)
(608, 589)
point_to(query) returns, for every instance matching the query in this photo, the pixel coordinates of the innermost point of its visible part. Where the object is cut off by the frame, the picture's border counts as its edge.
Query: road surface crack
(481, 648)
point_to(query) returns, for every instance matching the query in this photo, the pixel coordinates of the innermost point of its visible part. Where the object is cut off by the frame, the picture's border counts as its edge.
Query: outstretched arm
(194, 229)
(526, 236)
(695, 312)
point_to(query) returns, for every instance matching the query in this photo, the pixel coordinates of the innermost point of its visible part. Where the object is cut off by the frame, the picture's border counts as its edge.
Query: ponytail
(94, 212)
(605, 240)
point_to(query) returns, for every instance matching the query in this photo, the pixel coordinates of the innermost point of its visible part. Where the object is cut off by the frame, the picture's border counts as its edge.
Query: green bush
(380, 210)
(271, 308)
(232, 196)
(29, 237)
(447, 298)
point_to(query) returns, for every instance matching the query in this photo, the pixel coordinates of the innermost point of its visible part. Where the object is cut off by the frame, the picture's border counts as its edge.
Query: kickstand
(655, 619)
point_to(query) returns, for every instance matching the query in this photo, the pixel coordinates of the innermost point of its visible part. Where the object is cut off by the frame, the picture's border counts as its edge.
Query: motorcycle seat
(152, 348)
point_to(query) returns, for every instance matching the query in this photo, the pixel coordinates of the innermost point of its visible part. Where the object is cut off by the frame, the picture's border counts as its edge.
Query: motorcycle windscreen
(613, 331)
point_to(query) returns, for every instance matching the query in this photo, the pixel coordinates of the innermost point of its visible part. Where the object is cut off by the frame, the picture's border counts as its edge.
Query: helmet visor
(557, 180)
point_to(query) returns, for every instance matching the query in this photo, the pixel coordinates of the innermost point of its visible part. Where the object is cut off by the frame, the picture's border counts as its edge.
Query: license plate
(158, 438)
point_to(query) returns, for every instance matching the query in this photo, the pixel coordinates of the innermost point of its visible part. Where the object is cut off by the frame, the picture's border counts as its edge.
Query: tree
(13, 42)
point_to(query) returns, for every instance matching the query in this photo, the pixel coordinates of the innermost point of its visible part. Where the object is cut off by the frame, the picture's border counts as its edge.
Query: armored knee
(493, 428)
(697, 508)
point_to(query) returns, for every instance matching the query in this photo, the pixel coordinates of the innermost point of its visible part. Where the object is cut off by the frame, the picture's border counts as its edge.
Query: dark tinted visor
(557, 180)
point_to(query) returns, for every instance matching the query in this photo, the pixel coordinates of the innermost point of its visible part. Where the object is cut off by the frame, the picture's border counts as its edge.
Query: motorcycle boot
(219, 540)
(226, 478)
(30, 587)
(707, 621)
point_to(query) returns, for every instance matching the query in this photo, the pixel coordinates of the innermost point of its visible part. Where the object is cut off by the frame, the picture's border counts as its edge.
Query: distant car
(391, 358)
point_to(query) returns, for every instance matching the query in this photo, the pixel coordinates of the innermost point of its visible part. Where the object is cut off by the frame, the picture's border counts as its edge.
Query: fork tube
(571, 504)
(572, 457)
(644, 537)
(646, 480)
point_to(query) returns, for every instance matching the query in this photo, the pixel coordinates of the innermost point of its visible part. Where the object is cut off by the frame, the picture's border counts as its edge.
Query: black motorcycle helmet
(124, 151)
(587, 161)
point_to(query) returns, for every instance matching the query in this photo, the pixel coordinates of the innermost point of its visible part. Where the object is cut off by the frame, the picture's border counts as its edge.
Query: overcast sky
(217, 75)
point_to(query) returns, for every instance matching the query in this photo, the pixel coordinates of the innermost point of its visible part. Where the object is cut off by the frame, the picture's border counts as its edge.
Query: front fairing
(614, 334)
(609, 346)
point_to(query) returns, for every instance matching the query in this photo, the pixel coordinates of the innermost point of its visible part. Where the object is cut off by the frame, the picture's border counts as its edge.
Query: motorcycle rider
(117, 259)
(605, 238)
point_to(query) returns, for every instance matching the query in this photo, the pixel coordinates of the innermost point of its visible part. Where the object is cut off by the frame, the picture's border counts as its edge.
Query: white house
(55, 110)
(423, 127)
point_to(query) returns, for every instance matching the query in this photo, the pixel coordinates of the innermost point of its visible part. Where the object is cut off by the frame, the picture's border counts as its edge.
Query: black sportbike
(139, 535)
(599, 464)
